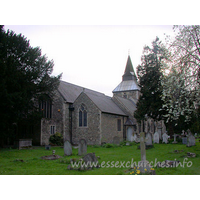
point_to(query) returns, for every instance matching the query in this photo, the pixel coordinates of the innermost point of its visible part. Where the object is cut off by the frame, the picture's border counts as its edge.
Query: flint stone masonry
(92, 132)
(108, 123)
(56, 120)
(116, 140)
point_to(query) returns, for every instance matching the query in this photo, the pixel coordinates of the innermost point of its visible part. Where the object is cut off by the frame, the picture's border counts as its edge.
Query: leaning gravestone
(165, 138)
(116, 140)
(148, 139)
(82, 147)
(190, 140)
(67, 148)
(156, 137)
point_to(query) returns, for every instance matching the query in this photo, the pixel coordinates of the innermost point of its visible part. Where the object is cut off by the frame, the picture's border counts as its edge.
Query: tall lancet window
(83, 116)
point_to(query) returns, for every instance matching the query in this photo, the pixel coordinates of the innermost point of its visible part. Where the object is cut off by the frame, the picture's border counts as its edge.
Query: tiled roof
(70, 92)
(127, 103)
(105, 104)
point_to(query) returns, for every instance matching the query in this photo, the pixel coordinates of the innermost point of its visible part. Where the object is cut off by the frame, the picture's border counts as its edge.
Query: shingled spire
(129, 80)
(129, 73)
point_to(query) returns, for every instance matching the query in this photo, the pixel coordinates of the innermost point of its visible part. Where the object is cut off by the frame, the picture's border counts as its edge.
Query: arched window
(45, 106)
(83, 116)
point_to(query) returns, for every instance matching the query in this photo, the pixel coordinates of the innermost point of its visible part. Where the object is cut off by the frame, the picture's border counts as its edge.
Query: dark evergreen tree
(25, 74)
(149, 75)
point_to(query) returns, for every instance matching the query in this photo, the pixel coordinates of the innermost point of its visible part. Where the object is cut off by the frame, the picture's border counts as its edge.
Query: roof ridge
(82, 87)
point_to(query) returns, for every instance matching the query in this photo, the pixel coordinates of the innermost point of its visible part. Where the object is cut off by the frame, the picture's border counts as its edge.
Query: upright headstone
(82, 147)
(135, 137)
(159, 129)
(156, 138)
(165, 138)
(184, 140)
(142, 146)
(190, 139)
(152, 126)
(116, 140)
(67, 148)
(174, 142)
(148, 139)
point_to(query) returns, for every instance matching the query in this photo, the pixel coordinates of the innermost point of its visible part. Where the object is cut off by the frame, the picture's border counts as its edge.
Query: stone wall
(109, 127)
(92, 132)
(56, 120)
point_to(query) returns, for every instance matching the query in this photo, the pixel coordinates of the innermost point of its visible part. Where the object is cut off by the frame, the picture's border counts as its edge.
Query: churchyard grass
(29, 162)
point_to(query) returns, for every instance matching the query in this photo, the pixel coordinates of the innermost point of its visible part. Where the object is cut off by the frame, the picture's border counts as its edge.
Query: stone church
(78, 112)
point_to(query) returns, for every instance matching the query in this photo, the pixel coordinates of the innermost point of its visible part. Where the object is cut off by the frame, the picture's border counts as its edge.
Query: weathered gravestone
(135, 137)
(91, 160)
(184, 140)
(67, 148)
(174, 142)
(156, 137)
(190, 140)
(116, 140)
(148, 139)
(142, 147)
(165, 138)
(159, 129)
(82, 147)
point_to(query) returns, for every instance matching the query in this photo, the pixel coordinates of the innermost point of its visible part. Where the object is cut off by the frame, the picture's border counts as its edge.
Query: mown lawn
(34, 165)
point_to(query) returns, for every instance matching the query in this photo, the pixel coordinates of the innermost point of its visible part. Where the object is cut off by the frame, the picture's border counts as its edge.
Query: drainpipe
(124, 130)
(71, 109)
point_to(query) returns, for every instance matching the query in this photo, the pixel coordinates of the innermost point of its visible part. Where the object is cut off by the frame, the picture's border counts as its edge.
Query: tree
(181, 91)
(25, 75)
(185, 53)
(150, 75)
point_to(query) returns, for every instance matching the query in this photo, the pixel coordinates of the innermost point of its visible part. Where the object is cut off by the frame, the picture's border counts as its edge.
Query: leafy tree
(150, 73)
(181, 91)
(185, 53)
(25, 74)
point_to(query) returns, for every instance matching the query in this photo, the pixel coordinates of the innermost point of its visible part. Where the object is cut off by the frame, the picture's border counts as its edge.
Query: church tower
(128, 88)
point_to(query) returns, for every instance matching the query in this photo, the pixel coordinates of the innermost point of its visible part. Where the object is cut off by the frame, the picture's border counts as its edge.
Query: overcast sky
(92, 56)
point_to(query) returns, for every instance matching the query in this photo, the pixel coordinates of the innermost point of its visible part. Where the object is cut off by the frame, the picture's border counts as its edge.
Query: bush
(56, 139)
(124, 143)
(108, 145)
